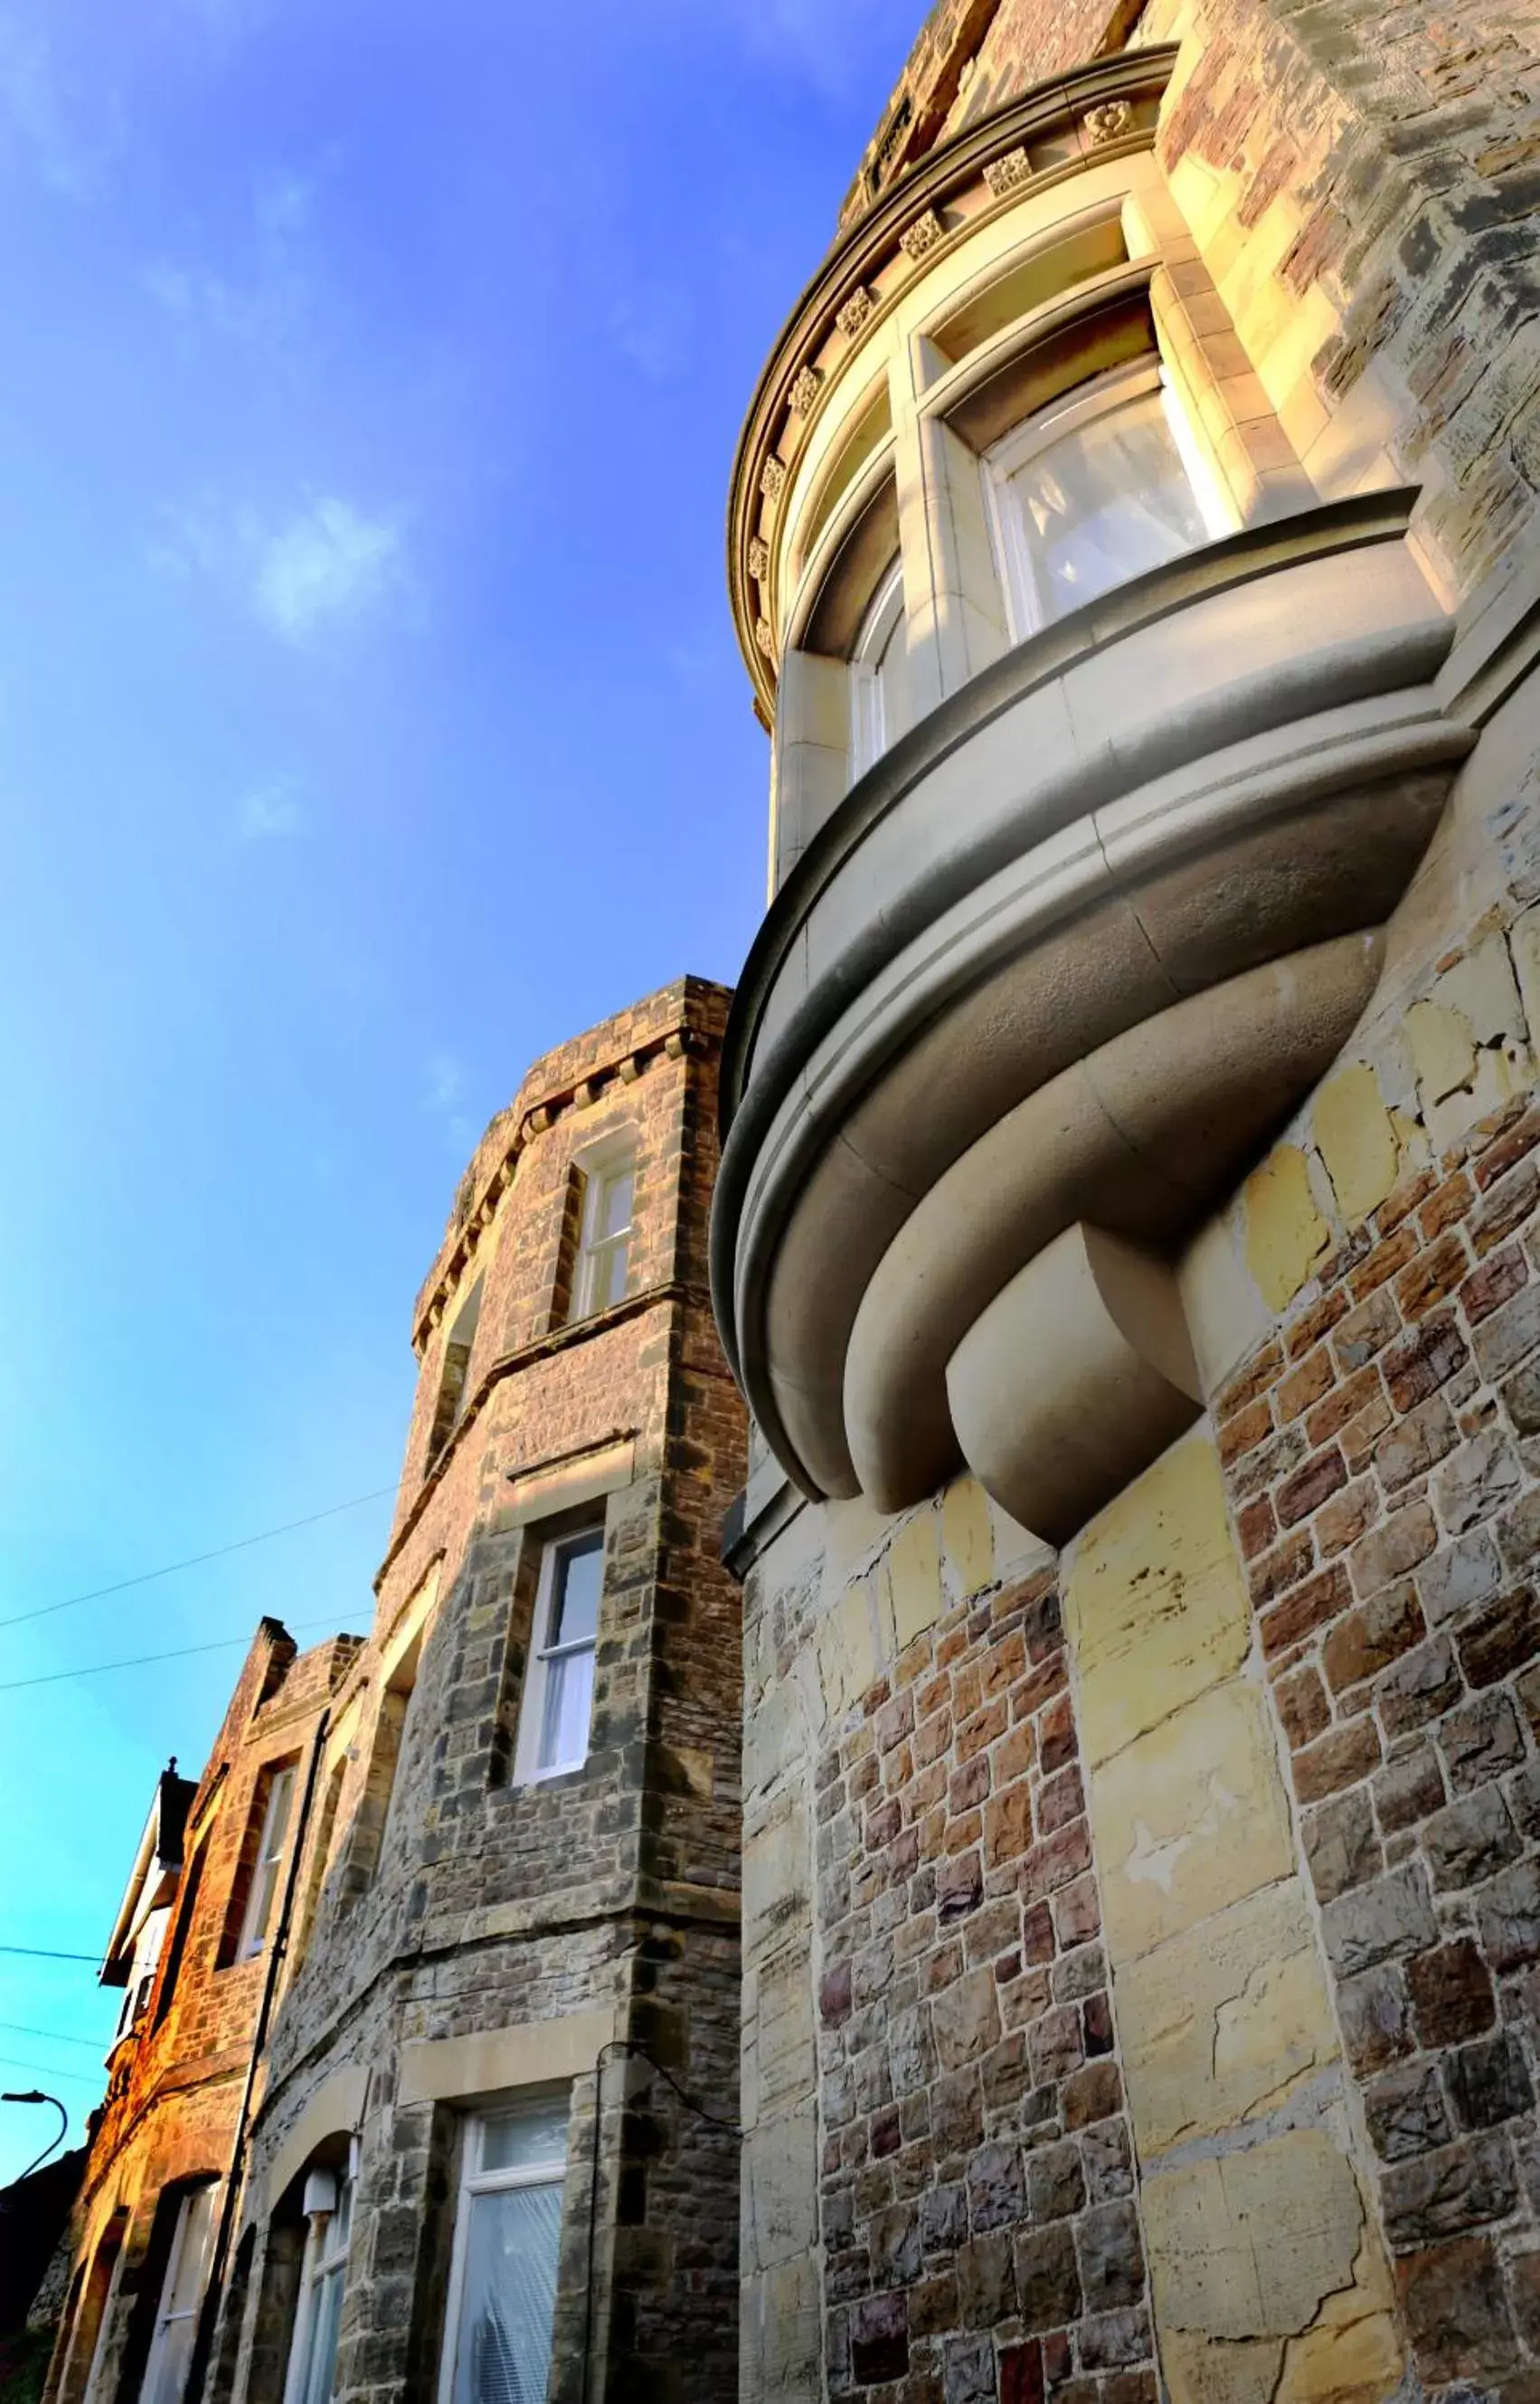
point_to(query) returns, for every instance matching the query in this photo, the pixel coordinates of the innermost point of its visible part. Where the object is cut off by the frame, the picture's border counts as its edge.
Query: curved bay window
(880, 695)
(1095, 490)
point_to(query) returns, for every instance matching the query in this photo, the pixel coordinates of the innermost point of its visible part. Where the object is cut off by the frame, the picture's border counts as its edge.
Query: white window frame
(603, 1171)
(165, 2318)
(870, 734)
(267, 1865)
(324, 2258)
(528, 1769)
(1012, 451)
(474, 2181)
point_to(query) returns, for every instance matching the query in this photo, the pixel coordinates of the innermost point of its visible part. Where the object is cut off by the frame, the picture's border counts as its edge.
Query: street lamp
(35, 2095)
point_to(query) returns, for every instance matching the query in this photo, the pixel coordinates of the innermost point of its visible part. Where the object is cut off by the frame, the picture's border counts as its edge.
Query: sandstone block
(1189, 1818)
(1223, 2019)
(1392, 1916)
(1154, 1606)
(1451, 1993)
(1406, 2113)
(1047, 2277)
(1456, 2312)
(1249, 2246)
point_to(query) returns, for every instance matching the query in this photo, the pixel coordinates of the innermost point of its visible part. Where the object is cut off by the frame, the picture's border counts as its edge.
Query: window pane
(503, 2350)
(575, 1604)
(569, 1707)
(176, 2322)
(515, 2141)
(278, 1813)
(614, 1214)
(1105, 503)
(321, 2368)
(608, 1274)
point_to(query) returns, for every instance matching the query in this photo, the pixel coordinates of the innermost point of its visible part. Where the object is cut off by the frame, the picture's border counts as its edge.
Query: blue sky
(370, 721)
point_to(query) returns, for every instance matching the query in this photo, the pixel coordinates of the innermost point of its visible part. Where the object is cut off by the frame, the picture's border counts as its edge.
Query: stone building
(1125, 1231)
(428, 2082)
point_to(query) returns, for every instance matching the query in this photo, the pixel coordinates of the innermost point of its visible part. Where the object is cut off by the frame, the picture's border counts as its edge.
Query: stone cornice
(840, 297)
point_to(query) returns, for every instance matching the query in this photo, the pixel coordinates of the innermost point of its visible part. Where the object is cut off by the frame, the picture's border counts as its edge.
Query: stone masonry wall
(938, 2169)
(454, 1900)
(978, 2173)
(1380, 1459)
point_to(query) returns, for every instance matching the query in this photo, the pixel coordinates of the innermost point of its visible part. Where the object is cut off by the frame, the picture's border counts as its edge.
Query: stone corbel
(1073, 1380)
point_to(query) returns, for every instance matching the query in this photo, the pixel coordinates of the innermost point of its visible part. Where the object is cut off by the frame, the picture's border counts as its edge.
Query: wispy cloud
(267, 311)
(445, 1080)
(270, 811)
(835, 49)
(654, 327)
(329, 564)
(325, 566)
(43, 116)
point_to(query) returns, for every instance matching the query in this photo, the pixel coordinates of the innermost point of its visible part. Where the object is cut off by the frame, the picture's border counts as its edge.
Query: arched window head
(879, 678)
(1095, 490)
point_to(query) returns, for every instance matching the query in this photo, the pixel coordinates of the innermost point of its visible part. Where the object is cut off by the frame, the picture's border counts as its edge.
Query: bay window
(1096, 489)
(502, 2285)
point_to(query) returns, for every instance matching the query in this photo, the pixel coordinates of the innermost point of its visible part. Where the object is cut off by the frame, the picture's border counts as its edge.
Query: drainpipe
(209, 2311)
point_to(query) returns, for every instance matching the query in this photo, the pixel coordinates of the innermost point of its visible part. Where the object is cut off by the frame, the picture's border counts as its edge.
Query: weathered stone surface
(1445, 2193)
(1048, 2290)
(1189, 1818)
(1392, 1916)
(1451, 1992)
(1405, 2111)
(1488, 2081)
(1154, 1606)
(1219, 2022)
(1471, 1841)
(1456, 2311)
(1249, 2245)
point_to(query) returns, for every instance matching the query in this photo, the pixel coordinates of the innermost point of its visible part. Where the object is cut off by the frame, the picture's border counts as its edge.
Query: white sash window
(270, 1855)
(558, 1700)
(502, 2285)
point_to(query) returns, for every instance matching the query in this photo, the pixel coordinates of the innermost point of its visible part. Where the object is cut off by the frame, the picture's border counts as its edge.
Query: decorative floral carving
(923, 235)
(1108, 121)
(765, 638)
(804, 390)
(759, 558)
(852, 315)
(773, 478)
(1009, 174)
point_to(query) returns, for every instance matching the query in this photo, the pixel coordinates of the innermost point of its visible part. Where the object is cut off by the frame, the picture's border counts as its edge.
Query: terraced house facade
(427, 2077)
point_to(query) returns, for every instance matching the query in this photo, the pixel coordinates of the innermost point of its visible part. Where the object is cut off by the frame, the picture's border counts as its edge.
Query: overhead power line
(49, 2070)
(20, 2028)
(45, 1953)
(138, 1660)
(194, 1561)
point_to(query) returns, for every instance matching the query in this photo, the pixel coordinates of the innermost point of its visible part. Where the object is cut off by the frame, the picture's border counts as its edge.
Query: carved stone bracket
(1108, 122)
(1008, 175)
(917, 240)
(805, 386)
(852, 314)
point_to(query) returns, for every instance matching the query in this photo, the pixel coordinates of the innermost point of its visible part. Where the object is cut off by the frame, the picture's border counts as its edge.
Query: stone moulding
(983, 158)
(1223, 770)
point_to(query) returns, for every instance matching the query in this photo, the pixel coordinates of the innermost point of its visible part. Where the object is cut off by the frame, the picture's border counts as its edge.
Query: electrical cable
(46, 1953)
(22, 2028)
(48, 2069)
(195, 1561)
(138, 1660)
